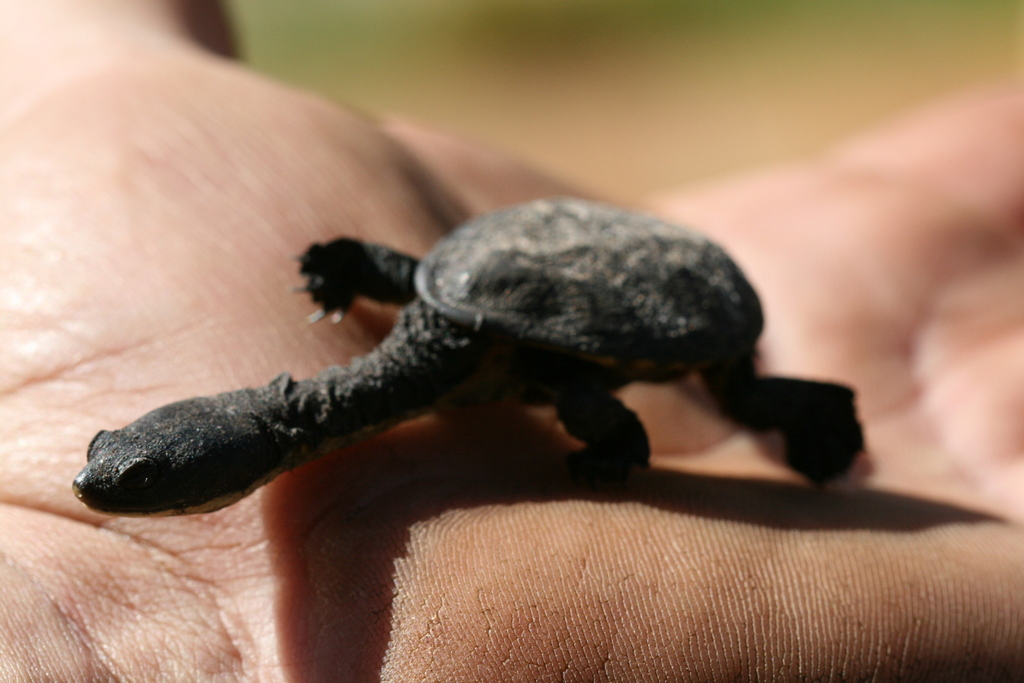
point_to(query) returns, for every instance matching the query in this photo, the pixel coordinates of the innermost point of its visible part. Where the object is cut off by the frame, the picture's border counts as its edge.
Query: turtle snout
(92, 488)
(99, 489)
(120, 476)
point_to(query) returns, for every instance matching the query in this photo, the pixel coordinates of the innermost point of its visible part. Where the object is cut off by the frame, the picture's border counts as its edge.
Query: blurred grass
(630, 96)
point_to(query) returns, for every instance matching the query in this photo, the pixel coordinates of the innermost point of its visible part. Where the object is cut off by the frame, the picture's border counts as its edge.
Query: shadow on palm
(484, 493)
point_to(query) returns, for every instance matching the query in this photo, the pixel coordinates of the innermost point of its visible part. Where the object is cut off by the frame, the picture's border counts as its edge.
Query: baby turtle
(559, 301)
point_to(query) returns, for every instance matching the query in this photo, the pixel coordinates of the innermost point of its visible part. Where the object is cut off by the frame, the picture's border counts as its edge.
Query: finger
(881, 226)
(894, 264)
(482, 178)
(968, 149)
(684, 565)
(638, 593)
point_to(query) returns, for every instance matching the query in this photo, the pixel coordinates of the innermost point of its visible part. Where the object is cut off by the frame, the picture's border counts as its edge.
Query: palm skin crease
(140, 265)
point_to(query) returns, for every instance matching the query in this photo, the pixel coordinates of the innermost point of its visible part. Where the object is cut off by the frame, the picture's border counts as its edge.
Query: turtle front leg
(615, 438)
(337, 271)
(818, 419)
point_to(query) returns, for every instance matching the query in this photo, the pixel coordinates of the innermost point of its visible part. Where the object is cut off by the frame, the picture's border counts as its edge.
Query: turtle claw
(337, 317)
(317, 316)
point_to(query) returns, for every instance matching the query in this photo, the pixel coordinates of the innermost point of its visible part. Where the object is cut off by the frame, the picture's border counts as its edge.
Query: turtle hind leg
(818, 419)
(615, 438)
(337, 271)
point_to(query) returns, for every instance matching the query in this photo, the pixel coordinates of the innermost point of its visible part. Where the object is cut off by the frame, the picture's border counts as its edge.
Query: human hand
(894, 264)
(150, 195)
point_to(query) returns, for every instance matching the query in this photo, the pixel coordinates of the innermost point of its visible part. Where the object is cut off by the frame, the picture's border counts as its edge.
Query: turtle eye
(138, 474)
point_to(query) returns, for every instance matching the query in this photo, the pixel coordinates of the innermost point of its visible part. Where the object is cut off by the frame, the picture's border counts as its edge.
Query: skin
(149, 193)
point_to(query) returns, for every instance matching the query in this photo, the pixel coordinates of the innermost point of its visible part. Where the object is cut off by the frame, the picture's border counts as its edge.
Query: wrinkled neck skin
(424, 358)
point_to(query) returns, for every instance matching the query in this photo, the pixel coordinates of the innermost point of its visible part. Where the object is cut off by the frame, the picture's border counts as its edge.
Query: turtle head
(192, 456)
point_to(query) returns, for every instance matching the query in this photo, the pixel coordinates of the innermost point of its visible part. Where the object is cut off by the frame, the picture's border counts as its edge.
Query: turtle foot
(818, 419)
(329, 278)
(824, 442)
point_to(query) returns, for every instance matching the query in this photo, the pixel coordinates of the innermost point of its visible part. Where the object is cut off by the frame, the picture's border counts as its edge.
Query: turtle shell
(593, 279)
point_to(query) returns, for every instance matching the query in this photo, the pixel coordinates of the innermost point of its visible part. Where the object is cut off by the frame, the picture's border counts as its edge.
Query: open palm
(150, 196)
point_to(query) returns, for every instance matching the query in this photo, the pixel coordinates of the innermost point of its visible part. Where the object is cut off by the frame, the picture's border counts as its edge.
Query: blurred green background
(633, 96)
